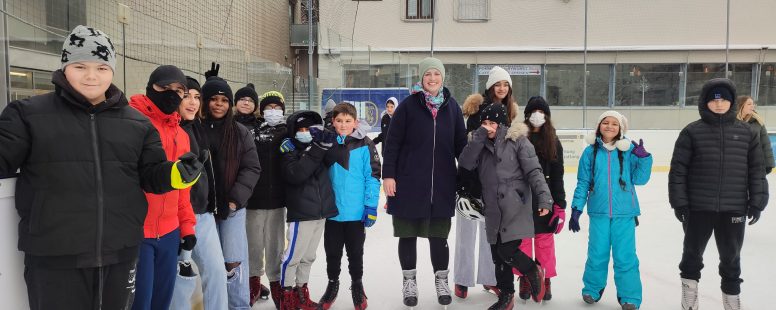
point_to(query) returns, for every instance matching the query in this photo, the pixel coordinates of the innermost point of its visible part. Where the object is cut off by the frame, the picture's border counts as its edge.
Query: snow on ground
(659, 247)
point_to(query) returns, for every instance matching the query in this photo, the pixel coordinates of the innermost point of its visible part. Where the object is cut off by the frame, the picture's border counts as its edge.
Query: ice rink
(659, 246)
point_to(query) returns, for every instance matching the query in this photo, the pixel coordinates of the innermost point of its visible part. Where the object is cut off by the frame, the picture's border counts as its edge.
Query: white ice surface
(659, 246)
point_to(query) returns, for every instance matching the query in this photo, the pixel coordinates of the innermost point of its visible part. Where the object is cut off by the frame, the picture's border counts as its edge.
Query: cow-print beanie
(88, 44)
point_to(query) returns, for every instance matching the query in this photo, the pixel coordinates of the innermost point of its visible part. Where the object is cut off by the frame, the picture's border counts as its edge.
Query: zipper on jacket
(433, 163)
(164, 196)
(98, 176)
(609, 178)
(721, 163)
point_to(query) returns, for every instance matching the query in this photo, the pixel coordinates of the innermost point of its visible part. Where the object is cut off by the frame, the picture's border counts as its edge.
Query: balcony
(300, 34)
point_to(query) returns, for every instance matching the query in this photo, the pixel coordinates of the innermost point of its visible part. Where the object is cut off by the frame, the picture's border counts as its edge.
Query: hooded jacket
(309, 194)
(83, 172)
(717, 164)
(269, 192)
(765, 143)
(421, 155)
(511, 176)
(354, 168)
(170, 210)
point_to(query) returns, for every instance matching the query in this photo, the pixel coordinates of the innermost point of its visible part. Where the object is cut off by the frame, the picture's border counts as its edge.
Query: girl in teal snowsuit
(609, 192)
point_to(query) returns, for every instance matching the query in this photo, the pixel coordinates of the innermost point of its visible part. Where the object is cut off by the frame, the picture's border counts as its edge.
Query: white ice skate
(410, 288)
(731, 302)
(689, 294)
(442, 289)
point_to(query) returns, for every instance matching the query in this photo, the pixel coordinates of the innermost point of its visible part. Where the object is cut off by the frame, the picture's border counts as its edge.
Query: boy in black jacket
(309, 201)
(717, 179)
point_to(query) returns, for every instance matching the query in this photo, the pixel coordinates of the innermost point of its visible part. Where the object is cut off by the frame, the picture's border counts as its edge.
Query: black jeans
(351, 235)
(79, 288)
(507, 256)
(728, 229)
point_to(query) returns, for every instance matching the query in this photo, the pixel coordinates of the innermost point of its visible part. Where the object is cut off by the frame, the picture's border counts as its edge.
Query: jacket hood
(114, 97)
(707, 115)
(362, 128)
(516, 130)
(623, 144)
(472, 104)
(291, 120)
(143, 104)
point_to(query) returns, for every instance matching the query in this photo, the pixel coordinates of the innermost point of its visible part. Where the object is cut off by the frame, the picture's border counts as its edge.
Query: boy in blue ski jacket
(609, 170)
(354, 168)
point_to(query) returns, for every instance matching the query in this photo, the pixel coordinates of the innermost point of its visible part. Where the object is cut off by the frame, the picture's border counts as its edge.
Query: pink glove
(558, 218)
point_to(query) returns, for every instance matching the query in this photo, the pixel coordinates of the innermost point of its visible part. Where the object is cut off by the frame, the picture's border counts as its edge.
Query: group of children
(198, 154)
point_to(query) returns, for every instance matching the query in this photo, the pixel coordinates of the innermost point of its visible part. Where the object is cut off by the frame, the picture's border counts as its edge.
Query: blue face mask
(303, 136)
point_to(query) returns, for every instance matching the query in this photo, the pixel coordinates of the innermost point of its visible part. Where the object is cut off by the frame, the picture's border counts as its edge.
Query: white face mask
(537, 119)
(273, 117)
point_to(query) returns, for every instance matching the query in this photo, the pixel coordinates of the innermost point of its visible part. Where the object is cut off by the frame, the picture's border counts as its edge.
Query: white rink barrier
(13, 291)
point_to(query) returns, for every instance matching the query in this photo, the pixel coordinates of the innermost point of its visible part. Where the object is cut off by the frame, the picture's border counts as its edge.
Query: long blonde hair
(740, 101)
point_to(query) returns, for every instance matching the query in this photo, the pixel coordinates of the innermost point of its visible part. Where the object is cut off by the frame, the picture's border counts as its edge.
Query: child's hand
(543, 212)
(370, 216)
(639, 150)
(389, 186)
(574, 222)
(287, 146)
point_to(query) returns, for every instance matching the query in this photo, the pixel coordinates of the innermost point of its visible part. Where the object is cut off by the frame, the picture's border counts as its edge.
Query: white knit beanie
(497, 74)
(623, 144)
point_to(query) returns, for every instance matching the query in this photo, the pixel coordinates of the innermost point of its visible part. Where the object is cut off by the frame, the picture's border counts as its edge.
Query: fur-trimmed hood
(516, 130)
(623, 144)
(472, 104)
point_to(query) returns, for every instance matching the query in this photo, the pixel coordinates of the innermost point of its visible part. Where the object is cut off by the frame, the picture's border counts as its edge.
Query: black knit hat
(216, 86)
(192, 83)
(536, 103)
(494, 113)
(166, 75)
(271, 97)
(304, 122)
(719, 92)
(250, 92)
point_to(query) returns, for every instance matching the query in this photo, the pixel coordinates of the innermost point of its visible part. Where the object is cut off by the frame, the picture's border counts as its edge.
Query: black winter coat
(765, 143)
(269, 192)
(84, 170)
(717, 163)
(203, 192)
(421, 157)
(553, 174)
(309, 193)
(385, 124)
(248, 170)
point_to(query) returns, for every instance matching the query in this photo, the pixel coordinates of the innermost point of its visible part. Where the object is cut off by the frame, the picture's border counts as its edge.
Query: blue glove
(287, 146)
(574, 222)
(370, 216)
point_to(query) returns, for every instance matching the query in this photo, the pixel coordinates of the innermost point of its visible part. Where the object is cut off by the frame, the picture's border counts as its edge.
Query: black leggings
(506, 256)
(408, 253)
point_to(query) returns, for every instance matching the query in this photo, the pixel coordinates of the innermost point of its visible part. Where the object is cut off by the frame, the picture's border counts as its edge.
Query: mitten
(753, 215)
(574, 222)
(287, 146)
(682, 213)
(639, 150)
(186, 171)
(187, 243)
(370, 216)
(558, 218)
(214, 67)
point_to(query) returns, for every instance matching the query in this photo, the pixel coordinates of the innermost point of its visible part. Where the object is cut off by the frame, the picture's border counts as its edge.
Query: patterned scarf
(432, 102)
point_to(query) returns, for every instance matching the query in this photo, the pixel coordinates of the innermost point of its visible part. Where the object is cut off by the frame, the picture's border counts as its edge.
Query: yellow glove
(186, 171)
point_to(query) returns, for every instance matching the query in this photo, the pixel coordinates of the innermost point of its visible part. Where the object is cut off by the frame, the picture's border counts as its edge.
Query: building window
(699, 74)
(767, 93)
(647, 84)
(472, 10)
(565, 85)
(526, 80)
(26, 83)
(420, 9)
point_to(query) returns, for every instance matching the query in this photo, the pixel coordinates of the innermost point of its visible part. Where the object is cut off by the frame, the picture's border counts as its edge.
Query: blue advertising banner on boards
(369, 102)
(772, 136)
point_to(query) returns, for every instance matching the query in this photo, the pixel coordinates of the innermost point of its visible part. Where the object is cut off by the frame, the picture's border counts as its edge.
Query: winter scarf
(432, 102)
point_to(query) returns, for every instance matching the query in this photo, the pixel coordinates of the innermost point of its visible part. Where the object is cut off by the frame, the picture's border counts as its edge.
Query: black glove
(768, 170)
(753, 215)
(189, 167)
(188, 243)
(682, 214)
(214, 67)
(321, 135)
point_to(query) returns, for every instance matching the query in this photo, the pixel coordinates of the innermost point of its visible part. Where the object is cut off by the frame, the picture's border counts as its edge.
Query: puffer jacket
(202, 193)
(269, 192)
(717, 164)
(83, 172)
(765, 143)
(309, 194)
(170, 210)
(354, 168)
(613, 176)
(511, 175)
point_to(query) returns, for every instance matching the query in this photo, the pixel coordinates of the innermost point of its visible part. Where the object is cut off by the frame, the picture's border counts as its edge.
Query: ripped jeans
(234, 243)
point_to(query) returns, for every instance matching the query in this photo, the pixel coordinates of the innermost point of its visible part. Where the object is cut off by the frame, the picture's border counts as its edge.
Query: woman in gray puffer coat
(509, 171)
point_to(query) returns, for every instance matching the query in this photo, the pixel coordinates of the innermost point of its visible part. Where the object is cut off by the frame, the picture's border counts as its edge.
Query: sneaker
(442, 289)
(461, 291)
(330, 295)
(410, 288)
(276, 291)
(629, 306)
(505, 301)
(492, 289)
(689, 294)
(304, 302)
(536, 280)
(731, 302)
(525, 288)
(289, 299)
(589, 298)
(547, 289)
(359, 296)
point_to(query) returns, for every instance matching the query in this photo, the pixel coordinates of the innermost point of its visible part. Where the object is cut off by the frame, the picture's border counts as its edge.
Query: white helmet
(469, 208)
